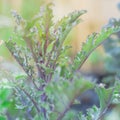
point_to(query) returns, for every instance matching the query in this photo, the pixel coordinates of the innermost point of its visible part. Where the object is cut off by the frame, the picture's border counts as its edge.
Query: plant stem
(108, 104)
(32, 100)
(62, 114)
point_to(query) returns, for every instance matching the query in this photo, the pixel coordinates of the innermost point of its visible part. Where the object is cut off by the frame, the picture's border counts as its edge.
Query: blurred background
(99, 13)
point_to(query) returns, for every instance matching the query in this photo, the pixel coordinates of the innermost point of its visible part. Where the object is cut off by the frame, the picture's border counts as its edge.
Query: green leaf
(39, 117)
(4, 93)
(67, 23)
(2, 117)
(66, 92)
(20, 76)
(105, 96)
(4, 98)
(92, 42)
(50, 46)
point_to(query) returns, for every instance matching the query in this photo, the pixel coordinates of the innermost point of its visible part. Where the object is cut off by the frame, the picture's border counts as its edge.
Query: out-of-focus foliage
(112, 48)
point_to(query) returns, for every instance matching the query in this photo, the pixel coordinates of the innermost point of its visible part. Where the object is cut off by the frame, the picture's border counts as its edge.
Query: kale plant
(50, 85)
